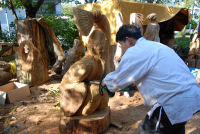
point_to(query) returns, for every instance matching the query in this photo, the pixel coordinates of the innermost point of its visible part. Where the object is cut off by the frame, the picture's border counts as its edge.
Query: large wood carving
(32, 56)
(36, 34)
(81, 101)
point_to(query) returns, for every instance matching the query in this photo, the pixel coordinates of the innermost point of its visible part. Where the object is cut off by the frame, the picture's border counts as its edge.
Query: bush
(183, 44)
(194, 25)
(65, 30)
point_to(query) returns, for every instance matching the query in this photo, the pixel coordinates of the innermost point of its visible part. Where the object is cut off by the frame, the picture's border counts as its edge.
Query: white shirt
(162, 78)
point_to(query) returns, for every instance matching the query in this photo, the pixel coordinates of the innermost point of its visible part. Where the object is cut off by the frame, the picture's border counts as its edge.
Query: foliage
(67, 10)
(193, 26)
(47, 8)
(16, 3)
(65, 30)
(183, 45)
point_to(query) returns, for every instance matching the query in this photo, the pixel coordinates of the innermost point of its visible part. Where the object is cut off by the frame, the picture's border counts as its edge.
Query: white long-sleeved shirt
(162, 78)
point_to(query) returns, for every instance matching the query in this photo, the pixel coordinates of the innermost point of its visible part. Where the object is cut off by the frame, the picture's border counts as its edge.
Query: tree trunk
(95, 123)
(32, 57)
(31, 9)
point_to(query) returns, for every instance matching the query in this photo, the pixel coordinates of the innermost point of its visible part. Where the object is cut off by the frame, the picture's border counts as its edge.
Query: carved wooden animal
(153, 28)
(77, 96)
(87, 22)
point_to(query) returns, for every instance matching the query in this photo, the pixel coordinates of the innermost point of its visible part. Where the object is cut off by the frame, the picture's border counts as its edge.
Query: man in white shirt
(163, 79)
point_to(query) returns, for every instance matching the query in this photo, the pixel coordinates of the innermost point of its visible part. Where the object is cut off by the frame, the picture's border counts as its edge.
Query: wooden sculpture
(153, 28)
(83, 106)
(137, 19)
(32, 68)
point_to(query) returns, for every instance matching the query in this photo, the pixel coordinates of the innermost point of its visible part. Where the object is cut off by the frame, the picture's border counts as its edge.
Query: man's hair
(128, 31)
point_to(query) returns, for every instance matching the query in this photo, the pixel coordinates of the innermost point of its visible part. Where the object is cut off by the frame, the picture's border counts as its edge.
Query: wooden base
(95, 123)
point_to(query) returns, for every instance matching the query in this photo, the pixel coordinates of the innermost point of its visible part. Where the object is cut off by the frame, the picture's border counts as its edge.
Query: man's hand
(102, 83)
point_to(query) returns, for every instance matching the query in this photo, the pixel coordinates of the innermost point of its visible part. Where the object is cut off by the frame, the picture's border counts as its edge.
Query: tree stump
(95, 123)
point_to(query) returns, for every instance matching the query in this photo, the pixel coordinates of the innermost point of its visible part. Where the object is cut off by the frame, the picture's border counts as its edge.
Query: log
(74, 54)
(95, 123)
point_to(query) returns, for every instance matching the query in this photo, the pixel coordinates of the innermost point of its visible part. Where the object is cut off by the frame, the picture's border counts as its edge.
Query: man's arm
(134, 65)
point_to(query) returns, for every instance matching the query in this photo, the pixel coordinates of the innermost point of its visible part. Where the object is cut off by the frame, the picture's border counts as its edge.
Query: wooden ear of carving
(84, 20)
(72, 97)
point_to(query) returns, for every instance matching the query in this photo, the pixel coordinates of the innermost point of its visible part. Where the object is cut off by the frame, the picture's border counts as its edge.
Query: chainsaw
(104, 88)
(101, 88)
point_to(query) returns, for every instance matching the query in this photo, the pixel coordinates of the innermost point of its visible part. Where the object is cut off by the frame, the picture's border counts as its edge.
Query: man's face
(129, 42)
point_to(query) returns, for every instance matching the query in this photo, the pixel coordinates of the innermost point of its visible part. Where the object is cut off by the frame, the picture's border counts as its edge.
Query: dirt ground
(39, 114)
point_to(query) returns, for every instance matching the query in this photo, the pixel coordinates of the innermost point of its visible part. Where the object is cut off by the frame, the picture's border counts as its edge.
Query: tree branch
(13, 9)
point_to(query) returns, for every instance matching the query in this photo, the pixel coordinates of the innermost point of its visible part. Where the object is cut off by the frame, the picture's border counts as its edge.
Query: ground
(39, 114)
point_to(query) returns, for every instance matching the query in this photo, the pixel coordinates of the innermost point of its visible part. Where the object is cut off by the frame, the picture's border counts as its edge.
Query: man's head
(127, 36)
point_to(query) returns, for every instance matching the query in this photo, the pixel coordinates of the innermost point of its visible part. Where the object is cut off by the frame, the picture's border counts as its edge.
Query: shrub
(194, 25)
(183, 44)
(65, 30)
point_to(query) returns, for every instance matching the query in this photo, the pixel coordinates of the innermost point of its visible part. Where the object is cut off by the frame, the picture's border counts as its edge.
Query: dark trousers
(165, 127)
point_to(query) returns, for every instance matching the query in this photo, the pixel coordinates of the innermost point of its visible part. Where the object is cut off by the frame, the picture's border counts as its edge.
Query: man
(163, 79)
